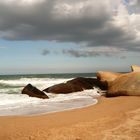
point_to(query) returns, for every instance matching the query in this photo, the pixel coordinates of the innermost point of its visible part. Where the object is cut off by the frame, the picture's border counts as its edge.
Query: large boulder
(87, 83)
(106, 77)
(84, 83)
(135, 68)
(63, 88)
(34, 92)
(126, 84)
(74, 85)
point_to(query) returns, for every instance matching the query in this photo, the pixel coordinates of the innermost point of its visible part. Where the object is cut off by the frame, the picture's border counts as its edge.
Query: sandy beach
(70, 70)
(111, 119)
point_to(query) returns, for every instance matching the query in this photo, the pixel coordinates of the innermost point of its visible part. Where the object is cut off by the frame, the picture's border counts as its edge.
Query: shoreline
(107, 119)
(45, 108)
(64, 110)
(70, 109)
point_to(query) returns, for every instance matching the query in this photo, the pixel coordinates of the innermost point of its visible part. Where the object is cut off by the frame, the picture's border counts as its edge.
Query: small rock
(34, 92)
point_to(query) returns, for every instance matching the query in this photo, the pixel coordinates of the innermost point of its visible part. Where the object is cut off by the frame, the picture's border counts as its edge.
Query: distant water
(12, 102)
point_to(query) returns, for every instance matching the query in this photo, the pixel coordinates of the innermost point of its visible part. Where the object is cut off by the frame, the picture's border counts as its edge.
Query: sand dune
(111, 119)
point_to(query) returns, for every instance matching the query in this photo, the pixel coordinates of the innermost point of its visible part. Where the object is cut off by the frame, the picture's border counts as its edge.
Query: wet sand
(111, 119)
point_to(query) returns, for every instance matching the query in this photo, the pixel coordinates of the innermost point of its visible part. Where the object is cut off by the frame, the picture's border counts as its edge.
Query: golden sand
(111, 119)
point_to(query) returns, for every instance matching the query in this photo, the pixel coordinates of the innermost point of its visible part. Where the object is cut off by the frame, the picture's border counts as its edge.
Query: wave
(35, 81)
(12, 102)
(20, 104)
(15, 86)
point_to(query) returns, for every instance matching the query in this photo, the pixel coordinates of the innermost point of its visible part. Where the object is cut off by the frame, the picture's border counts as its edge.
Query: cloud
(85, 51)
(123, 57)
(92, 52)
(45, 52)
(93, 23)
(133, 5)
(77, 53)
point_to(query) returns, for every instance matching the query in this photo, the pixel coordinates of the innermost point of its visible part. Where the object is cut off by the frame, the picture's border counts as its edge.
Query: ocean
(12, 102)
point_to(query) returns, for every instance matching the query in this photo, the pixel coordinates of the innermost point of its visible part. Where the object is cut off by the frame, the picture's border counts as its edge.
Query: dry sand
(111, 119)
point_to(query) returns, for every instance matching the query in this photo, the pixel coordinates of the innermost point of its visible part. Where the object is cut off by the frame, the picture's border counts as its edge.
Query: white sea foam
(12, 102)
(39, 82)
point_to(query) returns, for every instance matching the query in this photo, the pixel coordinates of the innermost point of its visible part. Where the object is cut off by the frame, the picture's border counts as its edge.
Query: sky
(69, 36)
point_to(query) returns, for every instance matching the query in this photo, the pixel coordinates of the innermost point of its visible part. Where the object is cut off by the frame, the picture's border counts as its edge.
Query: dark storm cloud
(90, 22)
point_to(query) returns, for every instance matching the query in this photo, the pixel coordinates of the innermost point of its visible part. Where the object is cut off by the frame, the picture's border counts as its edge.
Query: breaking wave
(12, 102)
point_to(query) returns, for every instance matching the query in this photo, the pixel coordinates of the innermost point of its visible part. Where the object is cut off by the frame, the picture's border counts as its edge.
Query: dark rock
(84, 83)
(63, 88)
(74, 85)
(34, 92)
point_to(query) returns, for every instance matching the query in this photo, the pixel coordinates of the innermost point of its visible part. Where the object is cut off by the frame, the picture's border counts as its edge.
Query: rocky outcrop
(106, 77)
(135, 68)
(34, 92)
(126, 84)
(74, 85)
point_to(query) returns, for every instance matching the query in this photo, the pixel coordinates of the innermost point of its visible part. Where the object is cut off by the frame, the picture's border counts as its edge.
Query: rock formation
(135, 68)
(34, 92)
(74, 85)
(63, 88)
(126, 84)
(106, 77)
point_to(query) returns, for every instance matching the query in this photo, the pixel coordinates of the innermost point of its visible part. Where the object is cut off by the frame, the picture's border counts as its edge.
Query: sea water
(12, 102)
